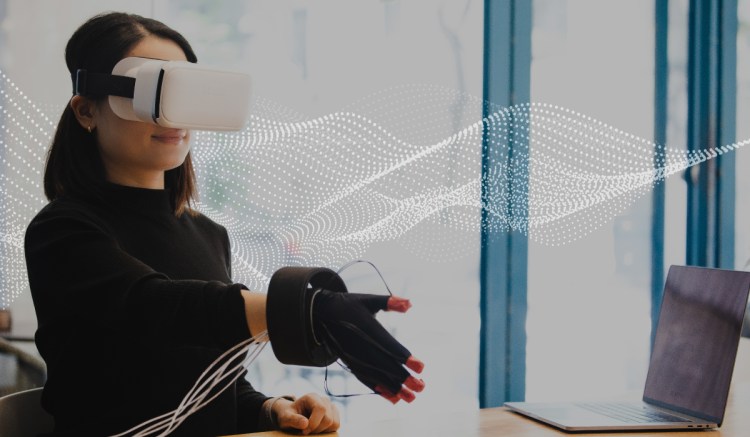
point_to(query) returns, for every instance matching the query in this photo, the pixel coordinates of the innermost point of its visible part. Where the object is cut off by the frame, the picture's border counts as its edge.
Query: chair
(20, 368)
(22, 415)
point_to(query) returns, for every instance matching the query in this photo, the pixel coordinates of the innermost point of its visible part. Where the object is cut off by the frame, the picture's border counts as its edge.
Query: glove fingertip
(414, 384)
(414, 364)
(382, 391)
(407, 395)
(398, 304)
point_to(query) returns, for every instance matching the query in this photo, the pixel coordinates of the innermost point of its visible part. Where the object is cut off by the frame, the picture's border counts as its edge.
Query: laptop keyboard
(631, 413)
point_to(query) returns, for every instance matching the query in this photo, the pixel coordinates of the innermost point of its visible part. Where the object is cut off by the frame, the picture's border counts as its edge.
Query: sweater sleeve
(77, 269)
(249, 401)
(249, 405)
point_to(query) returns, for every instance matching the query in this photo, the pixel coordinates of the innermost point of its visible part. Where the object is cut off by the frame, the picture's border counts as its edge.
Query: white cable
(166, 419)
(188, 399)
(199, 403)
(195, 398)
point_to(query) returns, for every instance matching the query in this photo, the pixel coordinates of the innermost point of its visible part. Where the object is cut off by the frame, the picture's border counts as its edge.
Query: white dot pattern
(404, 164)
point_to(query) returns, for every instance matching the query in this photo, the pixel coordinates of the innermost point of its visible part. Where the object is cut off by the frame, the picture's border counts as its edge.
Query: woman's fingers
(311, 414)
(315, 419)
(292, 420)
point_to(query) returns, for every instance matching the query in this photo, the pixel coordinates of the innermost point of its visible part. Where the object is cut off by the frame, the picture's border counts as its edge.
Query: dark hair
(74, 166)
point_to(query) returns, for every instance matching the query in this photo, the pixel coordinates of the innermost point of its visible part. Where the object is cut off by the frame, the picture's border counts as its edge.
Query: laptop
(691, 362)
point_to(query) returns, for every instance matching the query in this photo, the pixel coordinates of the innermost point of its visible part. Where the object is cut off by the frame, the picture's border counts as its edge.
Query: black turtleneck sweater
(133, 304)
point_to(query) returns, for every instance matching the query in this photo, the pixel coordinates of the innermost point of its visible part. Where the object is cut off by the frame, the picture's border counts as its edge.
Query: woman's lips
(171, 137)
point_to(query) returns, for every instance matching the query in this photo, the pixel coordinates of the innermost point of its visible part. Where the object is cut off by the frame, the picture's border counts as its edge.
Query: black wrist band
(288, 314)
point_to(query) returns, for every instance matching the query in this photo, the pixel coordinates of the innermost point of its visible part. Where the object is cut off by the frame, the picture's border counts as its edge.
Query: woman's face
(136, 153)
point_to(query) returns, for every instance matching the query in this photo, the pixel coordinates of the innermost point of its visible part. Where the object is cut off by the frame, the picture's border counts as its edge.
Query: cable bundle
(226, 369)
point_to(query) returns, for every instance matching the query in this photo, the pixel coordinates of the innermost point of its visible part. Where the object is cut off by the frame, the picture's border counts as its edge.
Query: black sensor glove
(346, 324)
(313, 320)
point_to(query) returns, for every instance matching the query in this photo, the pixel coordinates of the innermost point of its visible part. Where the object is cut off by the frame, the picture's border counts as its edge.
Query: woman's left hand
(309, 414)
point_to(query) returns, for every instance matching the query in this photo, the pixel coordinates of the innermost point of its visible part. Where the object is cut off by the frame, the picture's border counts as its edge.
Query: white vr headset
(175, 94)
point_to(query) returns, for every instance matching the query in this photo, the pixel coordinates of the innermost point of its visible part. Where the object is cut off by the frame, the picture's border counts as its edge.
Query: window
(742, 211)
(589, 299)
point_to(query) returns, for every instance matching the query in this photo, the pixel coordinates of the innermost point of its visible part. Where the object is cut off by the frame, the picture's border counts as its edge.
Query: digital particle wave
(405, 164)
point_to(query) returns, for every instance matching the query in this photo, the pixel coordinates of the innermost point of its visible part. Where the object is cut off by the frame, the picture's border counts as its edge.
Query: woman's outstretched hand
(345, 322)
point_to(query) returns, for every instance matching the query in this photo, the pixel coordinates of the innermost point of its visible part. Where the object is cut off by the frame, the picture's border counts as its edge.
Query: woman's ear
(85, 112)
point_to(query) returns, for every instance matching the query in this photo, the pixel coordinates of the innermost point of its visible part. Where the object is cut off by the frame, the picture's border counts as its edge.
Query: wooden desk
(501, 422)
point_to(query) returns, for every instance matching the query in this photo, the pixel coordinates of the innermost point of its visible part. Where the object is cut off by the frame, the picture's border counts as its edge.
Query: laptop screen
(696, 340)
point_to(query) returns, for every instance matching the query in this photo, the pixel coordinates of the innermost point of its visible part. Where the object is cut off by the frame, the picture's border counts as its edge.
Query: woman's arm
(255, 311)
(79, 272)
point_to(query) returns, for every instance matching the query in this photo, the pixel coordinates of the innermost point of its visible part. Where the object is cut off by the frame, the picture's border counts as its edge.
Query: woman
(132, 288)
